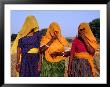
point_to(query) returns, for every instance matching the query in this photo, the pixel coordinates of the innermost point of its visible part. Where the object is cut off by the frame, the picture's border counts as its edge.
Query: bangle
(63, 54)
(46, 45)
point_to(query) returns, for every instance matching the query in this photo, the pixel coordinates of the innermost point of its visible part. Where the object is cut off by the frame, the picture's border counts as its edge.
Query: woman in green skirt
(53, 53)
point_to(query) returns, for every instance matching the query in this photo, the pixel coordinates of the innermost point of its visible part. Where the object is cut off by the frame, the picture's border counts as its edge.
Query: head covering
(89, 35)
(57, 45)
(29, 24)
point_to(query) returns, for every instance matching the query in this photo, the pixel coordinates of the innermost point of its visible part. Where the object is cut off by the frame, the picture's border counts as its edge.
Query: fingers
(54, 37)
(39, 68)
(53, 55)
(18, 67)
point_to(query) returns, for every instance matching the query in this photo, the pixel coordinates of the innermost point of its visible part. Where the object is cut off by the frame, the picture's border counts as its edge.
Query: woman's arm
(18, 54)
(64, 54)
(18, 59)
(70, 65)
(40, 63)
(90, 49)
(44, 47)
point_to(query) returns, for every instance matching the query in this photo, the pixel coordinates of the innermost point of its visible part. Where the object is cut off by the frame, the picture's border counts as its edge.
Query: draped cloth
(57, 45)
(85, 55)
(30, 55)
(79, 49)
(29, 24)
(89, 35)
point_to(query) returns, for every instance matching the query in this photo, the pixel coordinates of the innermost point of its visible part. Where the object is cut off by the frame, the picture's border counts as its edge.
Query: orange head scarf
(89, 35)
(92, 41)
(57, 45)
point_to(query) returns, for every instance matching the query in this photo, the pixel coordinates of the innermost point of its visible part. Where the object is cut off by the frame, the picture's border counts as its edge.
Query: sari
(53, 67)
(29, 45)
(83, 62)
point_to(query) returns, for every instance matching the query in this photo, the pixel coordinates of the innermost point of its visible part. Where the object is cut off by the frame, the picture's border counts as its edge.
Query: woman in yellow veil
(53, 44)
(26, 48)
(81, 62)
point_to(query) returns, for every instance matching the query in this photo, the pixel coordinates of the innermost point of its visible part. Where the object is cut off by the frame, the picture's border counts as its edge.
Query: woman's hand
(89, 47)
(42, 49)
(69, 72)
(66, 54)
(70, 65)
(54, 38)
(56, 54)
(82, 35)
(39, 66)
(18, 66)
(70, 69)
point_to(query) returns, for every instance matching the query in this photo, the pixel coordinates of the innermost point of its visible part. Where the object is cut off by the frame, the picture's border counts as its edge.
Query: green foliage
(43, 31)
(69, 40)
(95, 27)
(13, 37)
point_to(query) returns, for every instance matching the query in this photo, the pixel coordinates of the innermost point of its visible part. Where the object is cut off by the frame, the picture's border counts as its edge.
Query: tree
(13, 37)
(95, 27)
(43, 31)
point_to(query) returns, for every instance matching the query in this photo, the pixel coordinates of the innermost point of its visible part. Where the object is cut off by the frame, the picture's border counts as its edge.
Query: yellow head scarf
(89, 35)
(29, 24)
(57, 45)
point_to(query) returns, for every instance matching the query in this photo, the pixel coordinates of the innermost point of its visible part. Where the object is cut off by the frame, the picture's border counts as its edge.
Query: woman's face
(55, 30)
(56, 33)
(81, 32)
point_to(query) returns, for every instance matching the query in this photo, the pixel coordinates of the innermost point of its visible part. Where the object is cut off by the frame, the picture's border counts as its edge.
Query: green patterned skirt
(49, 69)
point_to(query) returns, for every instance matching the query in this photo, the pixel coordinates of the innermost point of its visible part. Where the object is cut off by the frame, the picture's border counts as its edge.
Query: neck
(80, 38)
(30, 34)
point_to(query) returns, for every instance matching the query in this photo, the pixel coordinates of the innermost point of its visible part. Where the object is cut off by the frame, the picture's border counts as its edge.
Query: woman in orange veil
(55, 55)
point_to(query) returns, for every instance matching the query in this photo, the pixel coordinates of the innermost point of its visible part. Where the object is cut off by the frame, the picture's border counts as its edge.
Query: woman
(52, 46)
(26, 46)
(82, 52)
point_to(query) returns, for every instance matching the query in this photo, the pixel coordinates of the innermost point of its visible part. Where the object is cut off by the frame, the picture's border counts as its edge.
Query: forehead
(56, 28)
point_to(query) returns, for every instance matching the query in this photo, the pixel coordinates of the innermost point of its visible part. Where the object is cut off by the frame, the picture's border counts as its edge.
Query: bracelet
(63, 54)
(46, 45)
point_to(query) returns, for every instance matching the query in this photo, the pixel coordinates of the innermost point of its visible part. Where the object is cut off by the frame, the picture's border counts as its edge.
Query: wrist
(63, 54)
(47, 45)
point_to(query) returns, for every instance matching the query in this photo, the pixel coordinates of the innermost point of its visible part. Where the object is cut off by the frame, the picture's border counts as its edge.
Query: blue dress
(29, 61)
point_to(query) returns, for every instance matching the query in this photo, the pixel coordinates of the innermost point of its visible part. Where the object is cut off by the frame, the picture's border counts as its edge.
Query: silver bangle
(46, 45)
(63, 54)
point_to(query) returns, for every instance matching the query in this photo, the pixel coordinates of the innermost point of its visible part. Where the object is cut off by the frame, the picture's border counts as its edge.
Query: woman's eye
(56, 32)
(82, 29)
